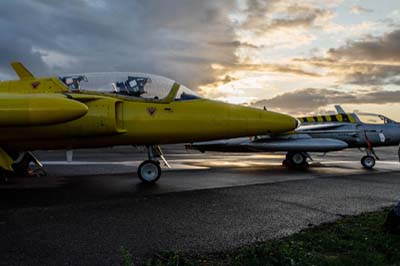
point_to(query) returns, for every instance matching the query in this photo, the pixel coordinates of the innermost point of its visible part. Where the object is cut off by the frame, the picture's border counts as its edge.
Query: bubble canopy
(376, 119)
(136, 85)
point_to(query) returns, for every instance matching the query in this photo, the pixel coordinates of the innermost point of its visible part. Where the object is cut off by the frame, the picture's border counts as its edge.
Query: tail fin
(21, 71)
(340, 110)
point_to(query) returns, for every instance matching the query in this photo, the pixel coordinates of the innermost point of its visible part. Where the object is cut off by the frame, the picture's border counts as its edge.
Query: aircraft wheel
(368, 162)
(149, 171)
(297, 159)
(3, 176)
(39, 172)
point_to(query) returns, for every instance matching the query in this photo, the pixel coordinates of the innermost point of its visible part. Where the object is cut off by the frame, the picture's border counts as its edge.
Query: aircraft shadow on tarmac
(55, 190)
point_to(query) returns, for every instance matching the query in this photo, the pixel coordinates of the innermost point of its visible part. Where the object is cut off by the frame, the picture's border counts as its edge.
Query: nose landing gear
(149, 171)
(368, 161)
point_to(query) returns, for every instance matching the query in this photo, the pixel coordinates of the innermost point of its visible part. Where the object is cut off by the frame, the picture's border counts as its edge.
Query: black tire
(40, 172)
(297, 159)
(368, 162)
(149, 171)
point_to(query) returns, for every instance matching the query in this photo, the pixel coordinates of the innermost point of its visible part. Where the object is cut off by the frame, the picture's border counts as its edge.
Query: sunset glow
(254, 52)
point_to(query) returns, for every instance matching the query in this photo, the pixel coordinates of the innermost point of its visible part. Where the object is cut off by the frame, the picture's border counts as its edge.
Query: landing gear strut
(150, 171)
(296, 159)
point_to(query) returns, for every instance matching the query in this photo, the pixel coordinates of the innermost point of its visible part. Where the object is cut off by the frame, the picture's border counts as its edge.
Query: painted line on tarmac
(350, 162)
(175, 166)
(185, 160)
(89, 163)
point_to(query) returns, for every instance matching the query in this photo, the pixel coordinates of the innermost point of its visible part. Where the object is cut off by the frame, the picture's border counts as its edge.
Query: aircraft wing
(298, 143)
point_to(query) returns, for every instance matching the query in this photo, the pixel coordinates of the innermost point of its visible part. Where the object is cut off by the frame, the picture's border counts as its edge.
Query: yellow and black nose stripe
(328, 118)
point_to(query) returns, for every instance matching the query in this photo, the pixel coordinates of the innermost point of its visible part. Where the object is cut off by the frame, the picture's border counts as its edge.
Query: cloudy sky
(295, 56)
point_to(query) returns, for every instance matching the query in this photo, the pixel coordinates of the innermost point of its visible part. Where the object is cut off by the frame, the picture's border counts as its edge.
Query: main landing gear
(25, 164)
(296, 159)
(149, 171)
(368, 161)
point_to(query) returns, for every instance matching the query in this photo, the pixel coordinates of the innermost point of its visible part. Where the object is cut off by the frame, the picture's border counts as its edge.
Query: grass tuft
(357, 240)
(126, 257)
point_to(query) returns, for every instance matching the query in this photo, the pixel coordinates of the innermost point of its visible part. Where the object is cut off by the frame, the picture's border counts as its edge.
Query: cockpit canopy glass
(137, 85)
(375, 119)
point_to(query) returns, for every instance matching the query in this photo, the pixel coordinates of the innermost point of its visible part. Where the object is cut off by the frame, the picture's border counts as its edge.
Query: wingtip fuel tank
(38, 109)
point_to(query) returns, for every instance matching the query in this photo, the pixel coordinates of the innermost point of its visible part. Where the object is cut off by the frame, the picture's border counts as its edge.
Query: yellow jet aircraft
(108, 109)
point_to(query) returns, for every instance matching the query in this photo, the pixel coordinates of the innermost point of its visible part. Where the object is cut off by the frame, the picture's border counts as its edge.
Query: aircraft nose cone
(278, 123)
(233, 121)
(260, 122)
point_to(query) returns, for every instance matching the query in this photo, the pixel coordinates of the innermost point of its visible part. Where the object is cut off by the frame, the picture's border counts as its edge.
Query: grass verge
(355, 240)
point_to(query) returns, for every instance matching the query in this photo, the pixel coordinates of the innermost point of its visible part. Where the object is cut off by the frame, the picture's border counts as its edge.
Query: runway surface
(85, 211)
